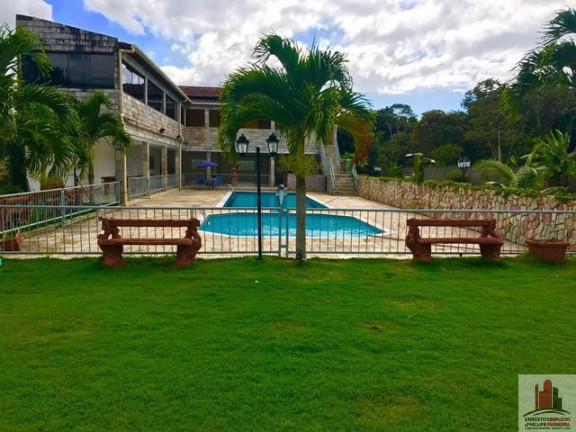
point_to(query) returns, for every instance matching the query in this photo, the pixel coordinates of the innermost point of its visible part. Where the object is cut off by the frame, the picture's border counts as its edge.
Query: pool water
(317, 225)
(269, 200)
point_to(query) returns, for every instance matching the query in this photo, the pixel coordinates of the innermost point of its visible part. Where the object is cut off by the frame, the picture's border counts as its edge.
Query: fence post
(62, 204)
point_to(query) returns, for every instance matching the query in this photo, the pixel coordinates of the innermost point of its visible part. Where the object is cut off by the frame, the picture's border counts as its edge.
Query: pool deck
(215, 198)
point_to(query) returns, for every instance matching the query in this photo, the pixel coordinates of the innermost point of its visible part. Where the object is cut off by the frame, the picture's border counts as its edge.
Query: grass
(244, 345)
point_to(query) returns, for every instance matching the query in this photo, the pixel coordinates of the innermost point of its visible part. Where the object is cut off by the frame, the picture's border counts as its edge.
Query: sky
(424, 53)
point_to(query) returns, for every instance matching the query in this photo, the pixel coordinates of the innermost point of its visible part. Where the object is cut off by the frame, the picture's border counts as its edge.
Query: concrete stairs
(344, 185)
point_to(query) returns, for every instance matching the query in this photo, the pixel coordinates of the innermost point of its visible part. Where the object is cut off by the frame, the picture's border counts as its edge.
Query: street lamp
(464, 164)
(242, 149)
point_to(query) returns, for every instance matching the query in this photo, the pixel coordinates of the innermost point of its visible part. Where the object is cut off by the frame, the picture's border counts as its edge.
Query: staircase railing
(328, 167)
(354, 176)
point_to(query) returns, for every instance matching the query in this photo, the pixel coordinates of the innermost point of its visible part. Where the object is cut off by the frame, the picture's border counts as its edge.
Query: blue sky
(424, 53)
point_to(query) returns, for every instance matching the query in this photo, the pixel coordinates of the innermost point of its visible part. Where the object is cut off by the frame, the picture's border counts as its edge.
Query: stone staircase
(344, 185)
(344, 182)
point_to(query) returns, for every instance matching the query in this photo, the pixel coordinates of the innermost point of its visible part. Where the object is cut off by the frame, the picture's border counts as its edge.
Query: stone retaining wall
(558, 224)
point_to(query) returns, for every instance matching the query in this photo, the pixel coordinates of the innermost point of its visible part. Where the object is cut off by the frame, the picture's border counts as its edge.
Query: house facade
(174, 128)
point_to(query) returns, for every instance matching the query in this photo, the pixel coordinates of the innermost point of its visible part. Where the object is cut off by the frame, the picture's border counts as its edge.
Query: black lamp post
(242, 149)
(464, 164)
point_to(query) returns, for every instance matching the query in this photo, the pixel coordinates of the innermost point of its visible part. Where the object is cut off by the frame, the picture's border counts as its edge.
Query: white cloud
(393, 46)
(35, 8)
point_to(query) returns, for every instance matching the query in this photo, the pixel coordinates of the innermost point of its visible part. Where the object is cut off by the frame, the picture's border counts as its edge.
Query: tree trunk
(300, 218)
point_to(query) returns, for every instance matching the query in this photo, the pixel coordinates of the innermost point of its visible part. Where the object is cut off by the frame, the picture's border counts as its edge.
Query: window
(259, 124)
(195, 118)
(75, 70)
(246, 165)
(170, 107)
(214, 118)
(132, 82)
(155, 97)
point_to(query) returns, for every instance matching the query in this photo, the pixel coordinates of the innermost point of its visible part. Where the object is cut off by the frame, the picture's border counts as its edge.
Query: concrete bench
(112, 243)
(489, 240)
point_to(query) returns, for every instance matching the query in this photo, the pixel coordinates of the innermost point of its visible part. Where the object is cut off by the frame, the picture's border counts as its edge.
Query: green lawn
(242, 345)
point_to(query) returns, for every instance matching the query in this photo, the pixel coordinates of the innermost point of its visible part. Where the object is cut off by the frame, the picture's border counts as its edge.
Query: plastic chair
(199, 181)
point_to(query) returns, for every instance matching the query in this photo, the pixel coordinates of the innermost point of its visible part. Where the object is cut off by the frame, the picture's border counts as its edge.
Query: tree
(552, 154)
(27, 109)
(550, 164)
(437, 128)
(492, 133)
(96, 122)
(396, 118)
(545, 83)
(308, 95)
(526, 177)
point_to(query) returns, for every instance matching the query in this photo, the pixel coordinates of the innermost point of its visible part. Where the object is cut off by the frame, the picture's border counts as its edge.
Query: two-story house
(173, 127)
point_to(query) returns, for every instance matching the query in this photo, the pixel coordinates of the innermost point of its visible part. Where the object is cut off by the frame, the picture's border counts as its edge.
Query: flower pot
(12, 243)
(548, 250)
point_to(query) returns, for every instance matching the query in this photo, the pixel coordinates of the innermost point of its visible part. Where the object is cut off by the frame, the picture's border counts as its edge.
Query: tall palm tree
(97, 122)
(552, 63)
(20, 103)
(307, 96)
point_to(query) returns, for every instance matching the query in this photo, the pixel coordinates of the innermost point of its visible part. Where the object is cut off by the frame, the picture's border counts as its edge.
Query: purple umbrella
(207, 164)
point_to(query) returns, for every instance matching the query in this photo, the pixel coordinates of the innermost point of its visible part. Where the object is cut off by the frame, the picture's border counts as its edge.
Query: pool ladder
(197, 206)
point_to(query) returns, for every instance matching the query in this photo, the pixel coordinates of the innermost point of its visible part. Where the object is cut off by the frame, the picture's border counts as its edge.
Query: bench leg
(491, 252)
(113, 255)
(184, 256)
(422, 252)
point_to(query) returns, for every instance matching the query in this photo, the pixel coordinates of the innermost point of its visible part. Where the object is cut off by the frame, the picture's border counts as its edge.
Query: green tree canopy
(307, 95)
(31, 115)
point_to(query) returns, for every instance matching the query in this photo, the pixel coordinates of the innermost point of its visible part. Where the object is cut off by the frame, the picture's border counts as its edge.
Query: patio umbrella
(207, 164)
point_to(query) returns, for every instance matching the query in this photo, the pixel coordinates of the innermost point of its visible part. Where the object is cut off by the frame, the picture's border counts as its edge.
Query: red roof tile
(201, 92)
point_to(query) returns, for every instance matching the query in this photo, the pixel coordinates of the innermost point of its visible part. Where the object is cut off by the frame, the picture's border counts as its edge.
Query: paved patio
(215, 198)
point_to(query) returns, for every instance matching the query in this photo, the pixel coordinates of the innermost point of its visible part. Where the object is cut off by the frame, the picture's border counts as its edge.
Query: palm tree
(552, 153)
(550, 164)
(525, 177)
(21, 126)
(552, 63)
(307, 96)
(96, 122)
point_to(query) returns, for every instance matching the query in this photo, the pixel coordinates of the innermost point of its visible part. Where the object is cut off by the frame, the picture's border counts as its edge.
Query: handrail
(337, 150)
(327, 163)
(201, 209)
(354, 176)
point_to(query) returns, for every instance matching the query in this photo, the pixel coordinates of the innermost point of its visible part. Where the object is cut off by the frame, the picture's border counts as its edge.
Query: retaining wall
(559, 223)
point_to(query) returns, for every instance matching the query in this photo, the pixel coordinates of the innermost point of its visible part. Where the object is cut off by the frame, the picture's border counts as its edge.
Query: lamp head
(242, 145)
(272, 143)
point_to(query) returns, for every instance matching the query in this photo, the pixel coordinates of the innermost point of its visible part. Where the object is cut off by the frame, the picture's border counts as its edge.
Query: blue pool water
(274, 224)
(317, 225)
(269, 200)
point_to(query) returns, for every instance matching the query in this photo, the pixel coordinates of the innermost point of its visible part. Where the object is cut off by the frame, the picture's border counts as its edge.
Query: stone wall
(558, 223)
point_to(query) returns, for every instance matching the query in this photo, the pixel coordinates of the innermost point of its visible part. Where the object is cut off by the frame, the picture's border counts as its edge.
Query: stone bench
(112, 243)
(489, 240)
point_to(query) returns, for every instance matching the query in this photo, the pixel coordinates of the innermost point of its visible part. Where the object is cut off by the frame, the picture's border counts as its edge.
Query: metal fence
(73, 230)
(30, 210)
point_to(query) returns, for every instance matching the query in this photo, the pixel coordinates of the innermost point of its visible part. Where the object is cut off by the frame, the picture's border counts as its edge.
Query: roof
(202, 94)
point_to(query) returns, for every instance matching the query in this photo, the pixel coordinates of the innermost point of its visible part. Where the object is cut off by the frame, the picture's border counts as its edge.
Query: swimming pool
(275, 224)
(269, 200)
(317, 225)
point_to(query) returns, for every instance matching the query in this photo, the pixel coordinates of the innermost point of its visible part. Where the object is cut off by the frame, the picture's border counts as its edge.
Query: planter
(548, 250)
(11, 244)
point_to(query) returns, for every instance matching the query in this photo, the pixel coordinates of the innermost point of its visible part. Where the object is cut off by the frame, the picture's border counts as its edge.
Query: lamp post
(242, 149)
(464, 164)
